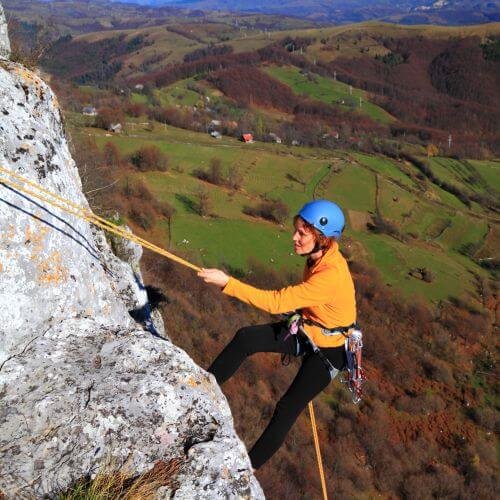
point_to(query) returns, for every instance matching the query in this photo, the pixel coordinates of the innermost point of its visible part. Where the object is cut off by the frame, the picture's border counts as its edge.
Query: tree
(432, 150)
(215, 172)
(149, 158)
(204, 202)
(235, 178)
(111, 155)
(108, 116)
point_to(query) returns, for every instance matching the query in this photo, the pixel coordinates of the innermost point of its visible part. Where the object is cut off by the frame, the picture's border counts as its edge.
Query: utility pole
(449, 141)
(360, 101)
(350, 89)
(335, 76)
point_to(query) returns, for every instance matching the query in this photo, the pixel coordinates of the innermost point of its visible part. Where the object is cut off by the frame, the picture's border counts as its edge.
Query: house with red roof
(247, 138)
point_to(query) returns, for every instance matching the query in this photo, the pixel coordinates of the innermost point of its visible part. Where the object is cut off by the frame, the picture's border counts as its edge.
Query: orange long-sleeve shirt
(326, 296)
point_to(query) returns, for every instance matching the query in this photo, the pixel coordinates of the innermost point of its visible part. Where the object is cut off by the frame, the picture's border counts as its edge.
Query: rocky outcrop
(4, 38)
(80, 379)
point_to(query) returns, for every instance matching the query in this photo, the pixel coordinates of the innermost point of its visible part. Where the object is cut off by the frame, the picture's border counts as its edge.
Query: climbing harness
(353, 343)
(46, 196)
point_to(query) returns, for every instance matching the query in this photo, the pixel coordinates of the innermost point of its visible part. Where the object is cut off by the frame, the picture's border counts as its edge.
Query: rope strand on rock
(53, 199)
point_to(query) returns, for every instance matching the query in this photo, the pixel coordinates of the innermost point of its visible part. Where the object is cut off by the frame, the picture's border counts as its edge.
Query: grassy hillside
(435, 231)
(330, 91)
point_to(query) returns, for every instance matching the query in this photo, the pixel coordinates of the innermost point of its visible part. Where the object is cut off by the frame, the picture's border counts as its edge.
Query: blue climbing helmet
(325, 216)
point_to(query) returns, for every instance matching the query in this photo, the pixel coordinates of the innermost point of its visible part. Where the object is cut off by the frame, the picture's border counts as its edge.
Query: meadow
(437, 233)
(329, 91)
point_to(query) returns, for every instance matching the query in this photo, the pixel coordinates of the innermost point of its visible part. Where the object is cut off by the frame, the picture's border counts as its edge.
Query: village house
(272, 137)
(89, 111)
(248, 138)
(116, 128)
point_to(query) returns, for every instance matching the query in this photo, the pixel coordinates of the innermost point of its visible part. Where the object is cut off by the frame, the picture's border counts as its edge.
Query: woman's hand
(214, 277)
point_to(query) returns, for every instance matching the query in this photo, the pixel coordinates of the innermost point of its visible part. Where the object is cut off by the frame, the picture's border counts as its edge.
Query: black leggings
(310, 380)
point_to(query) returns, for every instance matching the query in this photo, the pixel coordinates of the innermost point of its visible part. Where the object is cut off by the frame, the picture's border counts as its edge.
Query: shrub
(143, 215)
(164, 208)
(107, 116)
(235, 178)
(149, 158)
(204, 202)
(135, 109)
(272, 210)
(111, 155)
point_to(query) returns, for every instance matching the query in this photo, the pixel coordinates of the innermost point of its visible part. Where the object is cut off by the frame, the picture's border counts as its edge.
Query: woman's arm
(317, 289)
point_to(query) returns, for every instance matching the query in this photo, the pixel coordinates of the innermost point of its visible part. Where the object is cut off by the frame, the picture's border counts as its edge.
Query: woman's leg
(250, 340)
(311, 379)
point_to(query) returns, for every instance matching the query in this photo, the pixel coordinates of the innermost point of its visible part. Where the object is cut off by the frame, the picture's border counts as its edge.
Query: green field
(329, 91)
(443, 236)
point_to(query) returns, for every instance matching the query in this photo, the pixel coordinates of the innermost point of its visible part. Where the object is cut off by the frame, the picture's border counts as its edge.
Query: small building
(139, 86)
(295, 143)
(116, 128)
(215, 123)
(89, 111)
(248, 138)
(215, 134)
(274, 138)
(333, 134)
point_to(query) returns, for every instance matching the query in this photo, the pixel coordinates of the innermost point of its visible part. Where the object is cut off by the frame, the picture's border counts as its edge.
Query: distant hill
(444, 12)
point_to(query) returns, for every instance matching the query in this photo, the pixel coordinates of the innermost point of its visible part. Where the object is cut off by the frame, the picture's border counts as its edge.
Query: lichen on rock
(80, 378)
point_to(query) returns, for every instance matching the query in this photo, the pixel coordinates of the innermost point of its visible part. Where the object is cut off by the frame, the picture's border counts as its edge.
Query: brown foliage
(249, 86)
(108, 116)
(111, 155)
(434, 87)
(272, 210)
(135, 109)
(149, 158)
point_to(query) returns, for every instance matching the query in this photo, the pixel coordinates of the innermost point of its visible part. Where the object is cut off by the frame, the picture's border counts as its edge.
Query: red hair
(324, 242)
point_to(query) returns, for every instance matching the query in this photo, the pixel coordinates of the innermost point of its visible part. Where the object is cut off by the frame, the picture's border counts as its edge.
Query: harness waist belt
(338, 330)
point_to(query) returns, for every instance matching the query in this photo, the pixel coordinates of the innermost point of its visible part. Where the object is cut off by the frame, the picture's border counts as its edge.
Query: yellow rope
(85, 214)
(318, 450)
(71, 208)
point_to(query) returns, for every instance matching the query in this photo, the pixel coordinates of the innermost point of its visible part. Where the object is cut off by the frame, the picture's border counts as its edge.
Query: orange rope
(318, 450)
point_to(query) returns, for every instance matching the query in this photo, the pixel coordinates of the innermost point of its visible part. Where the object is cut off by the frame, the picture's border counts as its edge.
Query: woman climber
(324, 311)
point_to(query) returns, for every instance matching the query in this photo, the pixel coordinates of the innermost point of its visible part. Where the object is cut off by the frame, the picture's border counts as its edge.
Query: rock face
(4, 38)
(80, 379)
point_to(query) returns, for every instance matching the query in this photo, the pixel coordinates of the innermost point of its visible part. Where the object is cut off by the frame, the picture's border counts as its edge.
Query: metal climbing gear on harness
(355, 374)
(294, 324)
(332, 371)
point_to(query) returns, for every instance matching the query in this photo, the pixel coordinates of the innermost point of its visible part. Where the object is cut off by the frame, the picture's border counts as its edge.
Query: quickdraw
(355, 374)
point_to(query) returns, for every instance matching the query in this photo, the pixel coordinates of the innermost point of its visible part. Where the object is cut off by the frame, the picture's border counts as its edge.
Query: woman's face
(303, 238)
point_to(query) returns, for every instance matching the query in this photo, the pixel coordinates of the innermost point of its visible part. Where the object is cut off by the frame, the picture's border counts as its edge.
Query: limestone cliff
(79, 379)
(4, 39)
